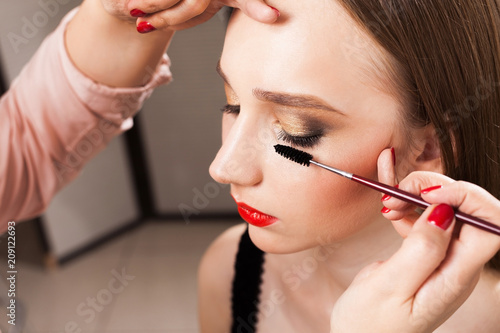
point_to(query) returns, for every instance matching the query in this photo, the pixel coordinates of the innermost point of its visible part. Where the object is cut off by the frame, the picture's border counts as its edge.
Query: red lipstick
(254, 217)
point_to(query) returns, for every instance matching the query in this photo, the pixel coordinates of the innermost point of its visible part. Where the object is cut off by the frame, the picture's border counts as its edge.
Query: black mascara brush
(306, 159)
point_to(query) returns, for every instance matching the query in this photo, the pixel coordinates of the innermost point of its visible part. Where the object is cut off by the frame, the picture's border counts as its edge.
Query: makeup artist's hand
(183, 14)
(127, 58)
(432, 274)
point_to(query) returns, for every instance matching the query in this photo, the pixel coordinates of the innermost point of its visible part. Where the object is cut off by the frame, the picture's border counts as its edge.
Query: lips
(254, 217)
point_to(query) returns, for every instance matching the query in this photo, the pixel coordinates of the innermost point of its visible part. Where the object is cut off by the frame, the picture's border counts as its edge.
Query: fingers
(182, 14)
(175, 13)
(403, 214)
(400, 213)
(415, 183)
(258, 10)
(403, 220)
(422, 251)
(466, 197)
(466, 255)
(474, 247)
(152, 6)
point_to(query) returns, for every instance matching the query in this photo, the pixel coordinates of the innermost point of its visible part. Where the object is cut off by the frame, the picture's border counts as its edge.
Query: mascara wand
(303, 158)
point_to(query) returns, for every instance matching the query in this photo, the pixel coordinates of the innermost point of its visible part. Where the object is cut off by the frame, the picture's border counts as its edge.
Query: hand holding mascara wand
(306, 159)
(429, 270)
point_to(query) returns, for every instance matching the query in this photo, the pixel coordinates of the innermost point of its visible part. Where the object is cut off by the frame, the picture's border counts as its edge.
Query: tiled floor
(143, 281)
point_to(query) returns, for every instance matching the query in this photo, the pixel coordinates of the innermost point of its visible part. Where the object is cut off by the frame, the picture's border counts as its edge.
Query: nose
(238, 161)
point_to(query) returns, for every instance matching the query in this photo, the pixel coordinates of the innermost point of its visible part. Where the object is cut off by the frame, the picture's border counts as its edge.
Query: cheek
(355, 205)
(337, 207)
(325, 205)
(348, 206)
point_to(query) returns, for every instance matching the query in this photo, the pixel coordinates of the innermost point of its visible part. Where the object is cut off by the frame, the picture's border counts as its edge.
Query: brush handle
(416, 200)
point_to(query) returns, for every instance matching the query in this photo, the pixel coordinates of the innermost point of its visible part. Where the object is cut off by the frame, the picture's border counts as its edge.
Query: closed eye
(231, 109)
(308, 141)
(299, 141)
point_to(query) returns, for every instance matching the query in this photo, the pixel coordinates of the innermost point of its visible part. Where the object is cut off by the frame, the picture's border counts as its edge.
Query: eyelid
(307, 141)
(231, 96)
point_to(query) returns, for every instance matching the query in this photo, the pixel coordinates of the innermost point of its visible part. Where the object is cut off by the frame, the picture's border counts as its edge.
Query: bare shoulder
(215, 276)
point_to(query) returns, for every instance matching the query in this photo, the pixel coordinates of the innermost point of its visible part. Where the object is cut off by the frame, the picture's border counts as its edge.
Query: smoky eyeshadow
(300, 124)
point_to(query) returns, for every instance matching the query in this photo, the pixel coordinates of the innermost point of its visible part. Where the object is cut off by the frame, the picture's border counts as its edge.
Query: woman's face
(306, 82)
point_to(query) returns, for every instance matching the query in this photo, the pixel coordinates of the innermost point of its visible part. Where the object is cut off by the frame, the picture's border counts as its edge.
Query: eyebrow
(221, 73)
(285, 99)
(293, 100)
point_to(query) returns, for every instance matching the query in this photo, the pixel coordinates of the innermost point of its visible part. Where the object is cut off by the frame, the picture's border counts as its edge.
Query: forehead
(314, 49)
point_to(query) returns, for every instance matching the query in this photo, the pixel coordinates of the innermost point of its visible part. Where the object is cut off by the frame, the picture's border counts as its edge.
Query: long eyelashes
(231, 109)
(300, 141)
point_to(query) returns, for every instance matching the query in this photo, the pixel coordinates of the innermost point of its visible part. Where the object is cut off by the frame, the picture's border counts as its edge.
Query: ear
(428, 154)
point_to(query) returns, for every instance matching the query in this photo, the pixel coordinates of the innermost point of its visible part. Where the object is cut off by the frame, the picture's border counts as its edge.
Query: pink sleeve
(53, 120)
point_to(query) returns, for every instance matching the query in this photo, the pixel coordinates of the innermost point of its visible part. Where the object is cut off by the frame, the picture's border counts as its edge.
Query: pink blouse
(53, 120)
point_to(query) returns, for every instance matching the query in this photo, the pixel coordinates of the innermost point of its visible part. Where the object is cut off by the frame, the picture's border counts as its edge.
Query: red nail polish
(137, 13)
(276, 11)
(386, 197)
(430, 189)
(441, 216)
(393, 151)
(385, 210)
(144, 27)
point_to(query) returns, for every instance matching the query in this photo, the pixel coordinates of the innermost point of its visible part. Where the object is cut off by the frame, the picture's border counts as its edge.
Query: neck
(340, 262)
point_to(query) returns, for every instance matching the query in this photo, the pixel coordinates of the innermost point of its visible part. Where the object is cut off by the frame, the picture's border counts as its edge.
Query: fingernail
(386, 197)
(137, 13)
(430, 189)
(144, 27)
(276, 11)
(441, 216)
(393, 151)
(385, 210)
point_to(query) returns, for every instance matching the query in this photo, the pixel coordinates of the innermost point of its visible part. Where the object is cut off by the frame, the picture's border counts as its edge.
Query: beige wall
(182, 123)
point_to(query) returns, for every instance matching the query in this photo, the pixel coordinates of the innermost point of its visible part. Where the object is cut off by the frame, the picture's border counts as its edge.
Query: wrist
(107, 48)
(114, 21)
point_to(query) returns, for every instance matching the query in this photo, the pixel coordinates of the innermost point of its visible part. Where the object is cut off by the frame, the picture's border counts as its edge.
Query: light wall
(182, 124)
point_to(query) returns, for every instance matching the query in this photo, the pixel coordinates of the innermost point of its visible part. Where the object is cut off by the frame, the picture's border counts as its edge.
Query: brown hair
(447, 58)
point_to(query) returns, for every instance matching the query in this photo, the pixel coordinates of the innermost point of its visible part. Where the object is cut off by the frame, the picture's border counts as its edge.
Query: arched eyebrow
(294, 100)
(285, 99)
(221, 73)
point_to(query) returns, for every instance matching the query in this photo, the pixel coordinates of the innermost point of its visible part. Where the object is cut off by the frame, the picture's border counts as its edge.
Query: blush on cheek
(345, 207)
